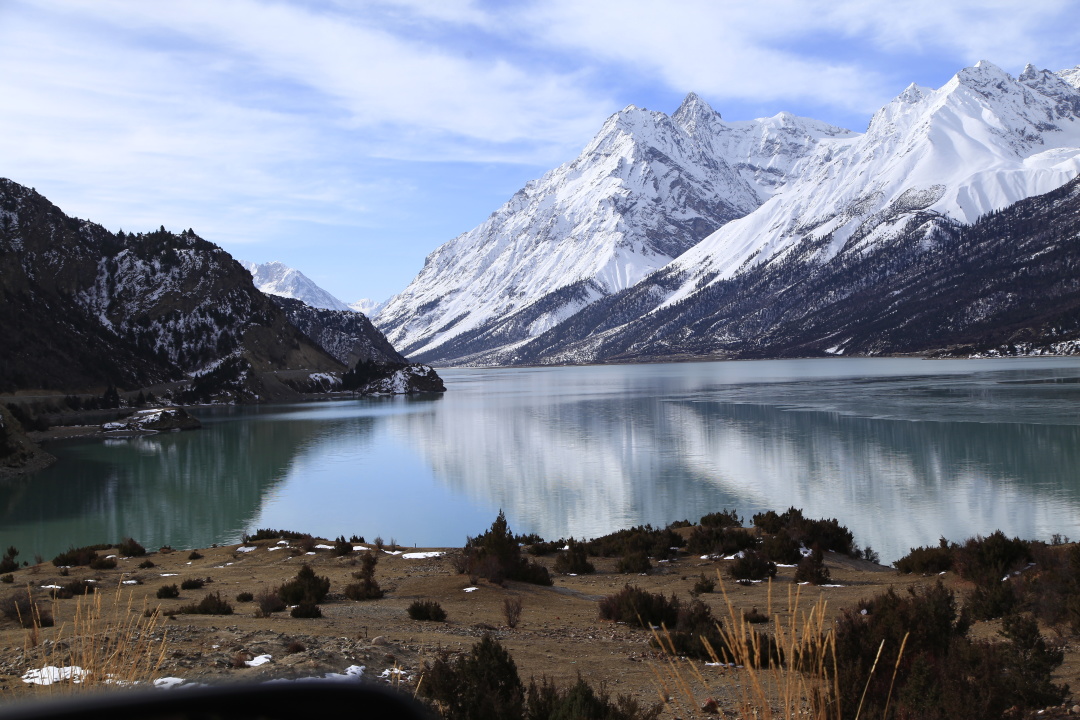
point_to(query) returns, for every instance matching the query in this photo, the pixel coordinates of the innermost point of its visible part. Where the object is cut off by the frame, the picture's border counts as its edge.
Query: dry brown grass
(98, 648)
(801, 685)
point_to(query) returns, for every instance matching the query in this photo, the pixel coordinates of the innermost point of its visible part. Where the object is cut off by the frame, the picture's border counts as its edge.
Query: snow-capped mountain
(275, 278)
(824, 201)
(367, 306)
(981, 142)
(647, 188)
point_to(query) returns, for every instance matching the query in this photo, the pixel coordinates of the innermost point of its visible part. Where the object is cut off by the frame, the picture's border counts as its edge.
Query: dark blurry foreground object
(274, 701)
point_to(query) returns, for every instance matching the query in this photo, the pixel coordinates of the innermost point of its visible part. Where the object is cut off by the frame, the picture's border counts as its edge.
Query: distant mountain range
(948, 226)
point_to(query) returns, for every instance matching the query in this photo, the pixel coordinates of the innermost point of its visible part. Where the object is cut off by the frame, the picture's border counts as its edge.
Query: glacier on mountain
(275, 278)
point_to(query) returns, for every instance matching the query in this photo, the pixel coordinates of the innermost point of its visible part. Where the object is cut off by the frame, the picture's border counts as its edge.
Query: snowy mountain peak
(693, 111)
(912, 94)
(1071, 76)
(275, 278)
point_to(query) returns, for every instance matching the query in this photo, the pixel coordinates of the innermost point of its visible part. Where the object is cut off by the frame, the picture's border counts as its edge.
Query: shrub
(574, 560)
(943, 674)
(168, 591)
(146, 564)
(483, 683)
(653, 542)
(103, 563)
(306, 610)
(9, 578)
(512, 611)
(71, 589)
(25, 610)
(545, 547)
(212, 604)
(719, 540)
(8, 563)
(268, 534)
(581, 701)
(694, 631)
(639, 607)
(703, 584)
(195, 555)
(812, 569)
(193, 584)
(724, 518)
(244, 597)
(752, 565)
(268, 603)
(356, 539)
(496, 555)
(342, 546)
(781, 548)
(426, 610)
(755, 616)
(634, 562)
(928, 560)
(78, 556)
(828, 534)
(306, 587)
(365, 588)
(128, 547)
(295, 646)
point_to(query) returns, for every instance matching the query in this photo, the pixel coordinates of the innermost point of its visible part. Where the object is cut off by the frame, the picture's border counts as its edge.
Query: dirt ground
(559, 635)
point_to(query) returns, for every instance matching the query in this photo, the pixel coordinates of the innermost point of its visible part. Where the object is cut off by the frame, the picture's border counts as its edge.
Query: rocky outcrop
(407, 380)
(154, 420)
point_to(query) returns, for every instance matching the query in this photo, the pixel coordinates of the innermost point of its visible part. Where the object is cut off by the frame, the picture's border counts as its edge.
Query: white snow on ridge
(979, 143)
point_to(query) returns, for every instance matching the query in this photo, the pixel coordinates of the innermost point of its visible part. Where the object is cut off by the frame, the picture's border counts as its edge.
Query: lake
(902, 451)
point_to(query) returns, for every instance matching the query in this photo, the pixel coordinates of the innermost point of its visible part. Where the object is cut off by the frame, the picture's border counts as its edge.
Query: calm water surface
(901, 451)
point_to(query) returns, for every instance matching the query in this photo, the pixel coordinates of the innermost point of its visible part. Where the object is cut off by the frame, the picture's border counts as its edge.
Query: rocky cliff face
(347, 335)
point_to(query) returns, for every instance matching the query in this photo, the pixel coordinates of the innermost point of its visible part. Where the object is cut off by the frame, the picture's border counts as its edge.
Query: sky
(349, 139)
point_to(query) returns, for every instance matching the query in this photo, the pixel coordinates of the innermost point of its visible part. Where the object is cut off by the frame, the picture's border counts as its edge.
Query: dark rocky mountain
(348, 336)
(82, 308)
(1006, 284)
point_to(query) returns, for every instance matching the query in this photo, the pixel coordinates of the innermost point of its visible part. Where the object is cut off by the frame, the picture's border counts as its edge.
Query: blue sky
(350, 139)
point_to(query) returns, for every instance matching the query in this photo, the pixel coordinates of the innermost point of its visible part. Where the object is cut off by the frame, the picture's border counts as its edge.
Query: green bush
(193, 584)
(703, 585)
(168, 591)
(496, 555)
(244, 597)
(652, 542)
(103, 563)
(78, 556)
(365, 588)
(195, 555)
(719, 540)
(722, 519)
(128, 547)
(342, 546)
(25, 610)
(306, 587)
(580, 700)
(812, 569)
(827, 534)
(574, 560)
(781, 548)
(269, 534)
(635, 562)
(635, 606)
(928, 560)
(268, 603)
(426, 610)
(71, 589)
(146, 564)
(9, 578)
(942, 674)
(483, 683)
(212, 604)
(752, 565)
(306, 610)
(8, 563)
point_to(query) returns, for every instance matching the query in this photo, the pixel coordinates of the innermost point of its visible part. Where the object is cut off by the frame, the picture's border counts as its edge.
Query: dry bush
(512, 611)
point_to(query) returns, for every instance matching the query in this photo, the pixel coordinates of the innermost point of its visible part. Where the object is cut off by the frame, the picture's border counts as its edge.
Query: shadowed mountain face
(81, 308)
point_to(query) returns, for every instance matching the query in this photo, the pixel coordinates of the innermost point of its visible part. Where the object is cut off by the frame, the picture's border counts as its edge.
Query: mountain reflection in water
(900, 451)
